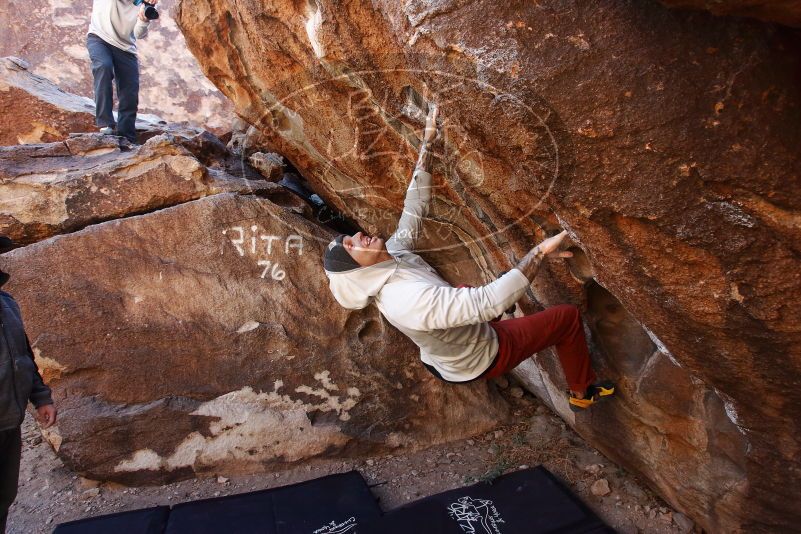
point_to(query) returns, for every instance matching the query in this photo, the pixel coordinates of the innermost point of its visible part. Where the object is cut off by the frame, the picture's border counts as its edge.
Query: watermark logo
(356, 133)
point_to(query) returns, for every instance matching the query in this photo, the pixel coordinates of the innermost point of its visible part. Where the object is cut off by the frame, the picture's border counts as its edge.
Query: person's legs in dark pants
(103, 73)
(559, 327)
(10, 452)
(126, 68)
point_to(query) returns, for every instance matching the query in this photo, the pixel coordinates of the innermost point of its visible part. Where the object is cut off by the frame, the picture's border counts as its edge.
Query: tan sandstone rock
(185, 341)
(271, 166)
(34, 110)
(665, 141)
(54, 188)
(600, 487)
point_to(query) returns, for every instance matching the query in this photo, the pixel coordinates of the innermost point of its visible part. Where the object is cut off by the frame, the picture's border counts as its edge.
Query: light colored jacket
(117, 23)
(449, 325)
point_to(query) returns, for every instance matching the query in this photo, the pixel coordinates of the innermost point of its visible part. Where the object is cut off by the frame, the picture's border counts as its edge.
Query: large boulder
(202, 338)
(51, 35)
(48, 189)
(34, 110)
(665, 141)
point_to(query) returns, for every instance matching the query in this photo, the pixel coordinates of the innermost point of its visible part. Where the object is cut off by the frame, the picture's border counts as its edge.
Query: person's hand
(46, 415)
(431, 123)
(550, 247)
(142, 8)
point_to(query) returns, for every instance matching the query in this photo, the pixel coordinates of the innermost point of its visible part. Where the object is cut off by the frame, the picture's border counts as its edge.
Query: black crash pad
(147, 521)
(531, 501)
(335, 504)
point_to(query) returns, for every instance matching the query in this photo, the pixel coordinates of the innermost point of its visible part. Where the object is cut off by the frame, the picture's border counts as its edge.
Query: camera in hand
(151, 13)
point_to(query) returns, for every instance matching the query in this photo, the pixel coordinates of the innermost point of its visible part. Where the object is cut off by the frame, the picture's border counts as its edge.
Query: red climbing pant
(558, 326)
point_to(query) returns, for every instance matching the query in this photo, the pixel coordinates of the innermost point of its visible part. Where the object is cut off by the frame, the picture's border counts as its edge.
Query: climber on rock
(456, 329)
(113, 31)
(20, 382)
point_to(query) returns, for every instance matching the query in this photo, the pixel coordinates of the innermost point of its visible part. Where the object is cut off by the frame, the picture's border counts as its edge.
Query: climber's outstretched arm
(418, 195)
(431, 307)
(424, 158)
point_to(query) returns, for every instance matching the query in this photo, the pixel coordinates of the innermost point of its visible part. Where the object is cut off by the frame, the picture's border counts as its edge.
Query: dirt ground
(50, 494)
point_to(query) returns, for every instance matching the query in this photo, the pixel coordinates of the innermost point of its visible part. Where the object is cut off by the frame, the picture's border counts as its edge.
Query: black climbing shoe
(595, 393)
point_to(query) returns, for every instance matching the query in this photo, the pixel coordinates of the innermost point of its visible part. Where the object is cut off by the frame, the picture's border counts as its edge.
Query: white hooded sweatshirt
(117, 23)
(449, 325)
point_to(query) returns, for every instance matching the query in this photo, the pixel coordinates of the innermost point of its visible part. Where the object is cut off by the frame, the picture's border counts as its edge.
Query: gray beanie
(337, 259)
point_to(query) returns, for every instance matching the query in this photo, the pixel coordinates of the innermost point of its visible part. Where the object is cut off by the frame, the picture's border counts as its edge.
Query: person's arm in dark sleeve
(40, 393)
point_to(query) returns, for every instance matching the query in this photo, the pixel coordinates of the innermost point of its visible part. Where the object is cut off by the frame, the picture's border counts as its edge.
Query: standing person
(113, 31)
(456, 329)
(20, 382)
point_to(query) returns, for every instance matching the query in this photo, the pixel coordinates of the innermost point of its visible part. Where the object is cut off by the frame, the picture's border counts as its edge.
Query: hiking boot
(108, 130)
(595, 393)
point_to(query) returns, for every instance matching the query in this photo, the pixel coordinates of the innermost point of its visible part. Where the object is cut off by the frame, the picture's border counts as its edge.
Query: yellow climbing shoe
(594, 394)
(605, 388)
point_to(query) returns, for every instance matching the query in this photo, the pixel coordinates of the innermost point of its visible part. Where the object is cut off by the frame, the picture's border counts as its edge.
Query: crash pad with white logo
(531, 501)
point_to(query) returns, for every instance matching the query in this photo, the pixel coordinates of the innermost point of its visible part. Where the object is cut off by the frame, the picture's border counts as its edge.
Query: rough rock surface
(782, 11)
(47, 189)
(644, 131)
(51, 35)
(183, 341)
(34, 110)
